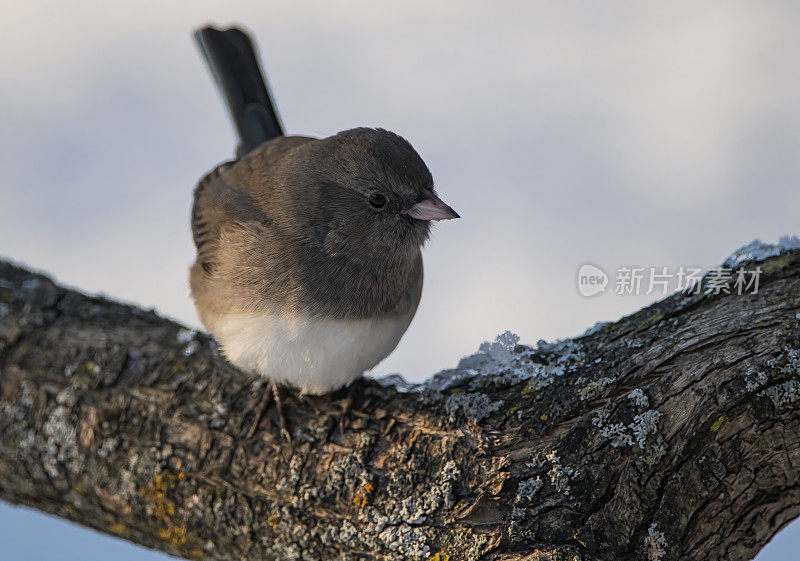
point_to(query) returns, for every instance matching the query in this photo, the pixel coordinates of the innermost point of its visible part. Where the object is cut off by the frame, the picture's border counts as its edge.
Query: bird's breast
(313, 354)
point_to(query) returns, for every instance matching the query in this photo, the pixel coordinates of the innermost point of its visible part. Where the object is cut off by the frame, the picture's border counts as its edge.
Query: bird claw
(353, 393)
(272, 395)
(276, 396)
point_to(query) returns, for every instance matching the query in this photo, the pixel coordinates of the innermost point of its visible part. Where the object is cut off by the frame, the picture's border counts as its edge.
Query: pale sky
(627, 133)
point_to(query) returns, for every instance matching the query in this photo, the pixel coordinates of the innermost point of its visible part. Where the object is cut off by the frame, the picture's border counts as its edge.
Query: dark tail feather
(233, 62)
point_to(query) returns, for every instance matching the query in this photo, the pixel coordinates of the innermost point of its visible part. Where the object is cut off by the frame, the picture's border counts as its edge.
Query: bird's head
(366, 189)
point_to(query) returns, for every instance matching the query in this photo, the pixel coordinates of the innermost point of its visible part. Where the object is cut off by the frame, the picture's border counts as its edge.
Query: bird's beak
(431, 208)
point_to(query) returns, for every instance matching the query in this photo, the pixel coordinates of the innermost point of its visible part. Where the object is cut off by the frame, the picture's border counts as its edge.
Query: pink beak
(432, 208)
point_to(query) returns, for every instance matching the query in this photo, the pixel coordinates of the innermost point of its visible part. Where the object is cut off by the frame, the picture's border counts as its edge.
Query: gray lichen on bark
(671, 434)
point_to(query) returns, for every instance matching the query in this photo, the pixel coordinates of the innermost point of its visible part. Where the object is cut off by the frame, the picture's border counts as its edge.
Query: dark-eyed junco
(308, 266)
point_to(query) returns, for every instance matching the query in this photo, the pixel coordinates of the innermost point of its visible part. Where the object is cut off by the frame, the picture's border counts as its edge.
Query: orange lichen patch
(157, 492)
(164, 509)
(118, 528)
(440, 556)
(362, 498)
(174, 534)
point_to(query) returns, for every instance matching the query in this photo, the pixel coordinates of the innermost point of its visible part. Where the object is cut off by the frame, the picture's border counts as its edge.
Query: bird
(309, 266)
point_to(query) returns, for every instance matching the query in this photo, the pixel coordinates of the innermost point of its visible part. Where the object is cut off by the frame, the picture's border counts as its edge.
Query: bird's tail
(233, 62)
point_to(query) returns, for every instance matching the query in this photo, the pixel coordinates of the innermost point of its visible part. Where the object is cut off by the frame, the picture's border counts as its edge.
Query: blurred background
(614, 133)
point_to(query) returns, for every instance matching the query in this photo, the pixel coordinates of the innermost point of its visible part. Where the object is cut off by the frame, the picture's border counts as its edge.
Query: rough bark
(671, 434)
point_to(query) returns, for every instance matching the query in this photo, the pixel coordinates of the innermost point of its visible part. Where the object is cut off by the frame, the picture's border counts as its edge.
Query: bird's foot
(276, 396)
(273, 394)
(353, 395)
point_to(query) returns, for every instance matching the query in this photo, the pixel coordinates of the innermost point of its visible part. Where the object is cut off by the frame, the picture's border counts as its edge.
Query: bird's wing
(218, 203)
(231, 196)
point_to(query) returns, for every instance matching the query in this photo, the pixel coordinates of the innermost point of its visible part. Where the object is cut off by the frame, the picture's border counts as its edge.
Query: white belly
(317, 356)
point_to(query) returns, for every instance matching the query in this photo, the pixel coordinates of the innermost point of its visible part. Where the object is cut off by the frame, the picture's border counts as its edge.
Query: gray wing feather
(217, 203)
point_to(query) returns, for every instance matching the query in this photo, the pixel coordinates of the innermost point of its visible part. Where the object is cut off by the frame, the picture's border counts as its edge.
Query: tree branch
(671, 434)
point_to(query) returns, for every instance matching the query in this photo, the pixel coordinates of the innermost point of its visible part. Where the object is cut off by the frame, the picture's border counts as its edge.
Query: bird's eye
(377, 200)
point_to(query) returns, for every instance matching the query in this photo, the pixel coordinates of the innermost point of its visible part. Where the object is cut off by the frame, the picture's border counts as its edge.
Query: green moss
(652, 320)
(719, 423)
(776, 264)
